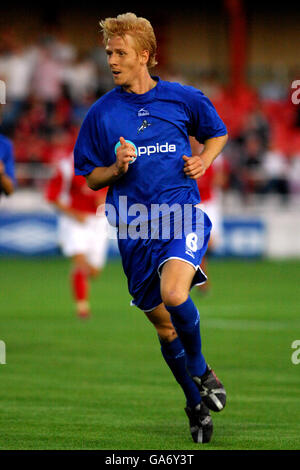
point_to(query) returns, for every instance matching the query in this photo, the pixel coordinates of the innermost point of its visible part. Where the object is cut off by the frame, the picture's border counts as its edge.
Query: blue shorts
(143, 258)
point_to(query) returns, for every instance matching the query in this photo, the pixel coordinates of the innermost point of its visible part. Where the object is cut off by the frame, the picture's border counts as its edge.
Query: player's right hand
(124, 153)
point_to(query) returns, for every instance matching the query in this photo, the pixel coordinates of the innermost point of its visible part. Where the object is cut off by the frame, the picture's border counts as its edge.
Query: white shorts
(89, 238)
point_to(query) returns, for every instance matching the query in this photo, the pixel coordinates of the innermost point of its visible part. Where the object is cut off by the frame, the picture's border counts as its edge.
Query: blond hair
(139, 28)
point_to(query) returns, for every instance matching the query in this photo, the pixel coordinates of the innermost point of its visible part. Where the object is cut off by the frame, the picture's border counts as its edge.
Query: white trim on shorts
(182, 259)
(132, 304)
(189, 262)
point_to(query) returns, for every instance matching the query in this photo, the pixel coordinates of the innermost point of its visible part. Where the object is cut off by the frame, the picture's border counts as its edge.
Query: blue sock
(174, 356)
(186, 321)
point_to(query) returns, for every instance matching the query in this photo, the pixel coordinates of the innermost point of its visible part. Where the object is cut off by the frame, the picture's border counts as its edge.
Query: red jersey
(206, 184)
(214, 179)
(72, 190)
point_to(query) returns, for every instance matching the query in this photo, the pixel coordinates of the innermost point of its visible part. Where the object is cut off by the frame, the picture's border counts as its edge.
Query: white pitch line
(249, 324)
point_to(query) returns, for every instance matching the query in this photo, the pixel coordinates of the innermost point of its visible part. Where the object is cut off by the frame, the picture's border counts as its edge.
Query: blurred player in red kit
(210, 186)
(82, 229)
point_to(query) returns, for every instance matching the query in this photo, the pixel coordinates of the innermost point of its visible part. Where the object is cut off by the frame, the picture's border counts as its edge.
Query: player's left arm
(196, 166)
(207, 127)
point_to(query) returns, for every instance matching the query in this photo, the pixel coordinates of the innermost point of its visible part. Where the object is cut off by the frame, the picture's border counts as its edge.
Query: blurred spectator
(272, 90)
(294, 174)
(62, 144)
(50, 88)
(210, 86)
(255, 123)
(16, 70)
(276, 168)
(81, 78)
(61, 49)
(47, 79)
(99, 57)
(251, 165)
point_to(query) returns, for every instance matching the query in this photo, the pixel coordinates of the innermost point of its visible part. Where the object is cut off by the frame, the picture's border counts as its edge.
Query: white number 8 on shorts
(191, 241)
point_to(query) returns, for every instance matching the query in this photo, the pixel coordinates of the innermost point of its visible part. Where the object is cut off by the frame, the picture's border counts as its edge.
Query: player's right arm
(70, 212)
(107, 175)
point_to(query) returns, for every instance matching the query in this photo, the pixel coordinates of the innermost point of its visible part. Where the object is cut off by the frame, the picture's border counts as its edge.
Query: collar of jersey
(141, 98)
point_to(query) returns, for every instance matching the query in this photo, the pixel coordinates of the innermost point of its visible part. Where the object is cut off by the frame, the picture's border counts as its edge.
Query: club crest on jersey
(143, 126)
(143, 112)
(129, 142)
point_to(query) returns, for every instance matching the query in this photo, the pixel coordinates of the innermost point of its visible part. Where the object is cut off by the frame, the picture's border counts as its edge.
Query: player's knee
(163, 325)
(166, 333)
(79, 262)
(94, 272)
(174, 297)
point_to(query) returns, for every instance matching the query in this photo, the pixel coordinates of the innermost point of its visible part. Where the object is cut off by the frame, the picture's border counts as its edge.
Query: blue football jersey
(158, 124)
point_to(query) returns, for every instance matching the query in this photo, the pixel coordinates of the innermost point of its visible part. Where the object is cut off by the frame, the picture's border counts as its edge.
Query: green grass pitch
(102, 383)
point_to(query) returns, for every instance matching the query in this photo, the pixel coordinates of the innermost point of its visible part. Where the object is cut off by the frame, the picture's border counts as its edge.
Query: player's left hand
(194, 167)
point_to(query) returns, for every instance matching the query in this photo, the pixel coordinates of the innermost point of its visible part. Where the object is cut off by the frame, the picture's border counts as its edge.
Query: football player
(135, 139)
